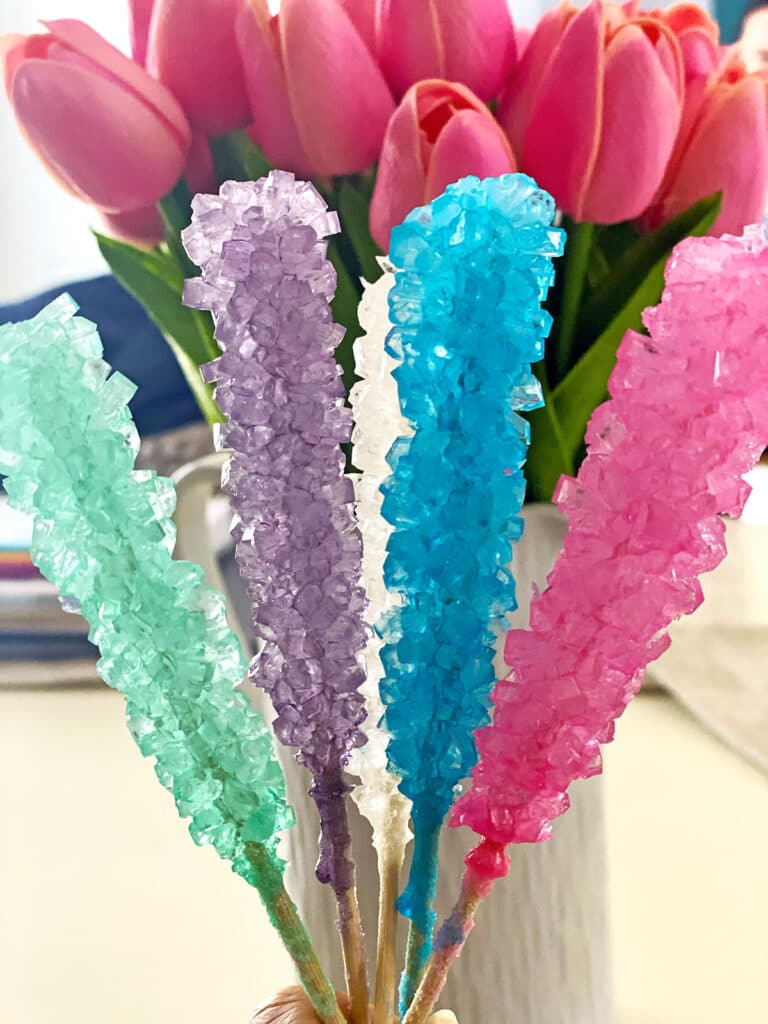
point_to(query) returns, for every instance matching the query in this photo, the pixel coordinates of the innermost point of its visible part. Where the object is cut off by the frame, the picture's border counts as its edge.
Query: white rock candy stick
(378, 423)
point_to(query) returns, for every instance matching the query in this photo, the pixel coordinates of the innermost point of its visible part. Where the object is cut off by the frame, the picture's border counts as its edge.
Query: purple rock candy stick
(266, 279)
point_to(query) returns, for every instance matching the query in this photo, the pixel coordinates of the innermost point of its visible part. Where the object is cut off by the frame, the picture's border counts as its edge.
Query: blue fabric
(133, 345)
(730, 14)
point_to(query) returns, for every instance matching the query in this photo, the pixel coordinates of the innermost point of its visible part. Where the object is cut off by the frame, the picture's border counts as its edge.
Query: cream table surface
(110, 915)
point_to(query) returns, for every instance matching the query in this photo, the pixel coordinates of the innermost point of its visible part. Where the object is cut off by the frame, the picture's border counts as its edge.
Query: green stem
(285, 918)
(577, 250)
(203, 392)
(175, 212)
(548, 457)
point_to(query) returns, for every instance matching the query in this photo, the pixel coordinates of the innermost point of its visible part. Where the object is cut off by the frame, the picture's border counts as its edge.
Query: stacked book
(40, 643)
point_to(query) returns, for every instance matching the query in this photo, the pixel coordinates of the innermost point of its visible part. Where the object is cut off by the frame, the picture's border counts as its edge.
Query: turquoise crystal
(103, 535)
(472, 270)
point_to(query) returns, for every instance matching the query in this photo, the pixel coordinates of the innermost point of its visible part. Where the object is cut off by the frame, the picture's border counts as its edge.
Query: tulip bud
(466, 41)
(594, 108)
(722, 147)
(319, 102)
(193, 50)
(107, 131)
(441, 132)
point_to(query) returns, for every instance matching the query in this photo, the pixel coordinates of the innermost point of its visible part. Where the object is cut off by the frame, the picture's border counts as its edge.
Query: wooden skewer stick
(390, 863)
(351, 932)
(449, 943)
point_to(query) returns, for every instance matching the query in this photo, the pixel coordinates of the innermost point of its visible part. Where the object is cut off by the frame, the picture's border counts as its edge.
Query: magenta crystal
(687, 418)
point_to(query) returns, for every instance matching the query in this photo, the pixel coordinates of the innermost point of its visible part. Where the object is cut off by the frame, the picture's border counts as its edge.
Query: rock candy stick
(688, 417)
(471, 272)
(103, 534)
(378, 424)
(261, 247)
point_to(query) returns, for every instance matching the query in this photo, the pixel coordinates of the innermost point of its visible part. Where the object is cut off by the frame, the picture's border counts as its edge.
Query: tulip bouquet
(639, 123)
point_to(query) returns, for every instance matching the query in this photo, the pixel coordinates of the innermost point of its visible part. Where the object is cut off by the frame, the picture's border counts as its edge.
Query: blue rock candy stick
(472, 270)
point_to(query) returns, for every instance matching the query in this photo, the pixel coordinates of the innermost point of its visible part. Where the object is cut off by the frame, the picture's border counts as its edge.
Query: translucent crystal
(378, 423)
(262, 247)
(101, 534)
(471, 270)
(687, 418)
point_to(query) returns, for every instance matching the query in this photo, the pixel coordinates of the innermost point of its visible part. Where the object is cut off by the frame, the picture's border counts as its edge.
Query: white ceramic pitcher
(541, 952)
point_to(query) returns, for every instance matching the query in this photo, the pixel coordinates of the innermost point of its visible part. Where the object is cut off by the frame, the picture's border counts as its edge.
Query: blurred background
(109, 913)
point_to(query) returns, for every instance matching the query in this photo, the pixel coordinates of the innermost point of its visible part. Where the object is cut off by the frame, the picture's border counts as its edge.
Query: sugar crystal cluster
(472, 270)
(687, 418)
(262, 248)
(378, 424)
(103, 535)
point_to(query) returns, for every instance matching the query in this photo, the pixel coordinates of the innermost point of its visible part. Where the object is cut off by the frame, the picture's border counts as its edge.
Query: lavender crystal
(266, 279)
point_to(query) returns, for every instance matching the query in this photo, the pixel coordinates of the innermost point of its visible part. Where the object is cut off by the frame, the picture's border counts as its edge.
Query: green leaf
(237, 158)
(636, 262)
(344, 307)
(176, 211)
(577, 259)
(154, 280)
(548, 457)
(586, 385)
(353, 212)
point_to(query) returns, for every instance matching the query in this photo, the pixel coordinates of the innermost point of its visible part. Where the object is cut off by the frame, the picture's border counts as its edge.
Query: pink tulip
(467, 41)
(106, 130)
(698, 35)
(723, 146)
(594, 106)
(193, 50)
(362, 14)
(440, 132)
(143, 228)
(318, 100)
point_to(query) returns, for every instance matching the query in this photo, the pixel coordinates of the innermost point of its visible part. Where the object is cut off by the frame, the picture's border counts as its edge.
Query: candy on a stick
(262, 248)
(103, 534)
(378, 424)
(471, 272)
(687, 418)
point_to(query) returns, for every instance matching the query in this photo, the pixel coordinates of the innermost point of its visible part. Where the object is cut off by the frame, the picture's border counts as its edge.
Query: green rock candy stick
(103, 535)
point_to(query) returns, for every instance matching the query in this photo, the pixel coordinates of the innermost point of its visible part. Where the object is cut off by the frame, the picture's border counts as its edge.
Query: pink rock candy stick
(687, 418)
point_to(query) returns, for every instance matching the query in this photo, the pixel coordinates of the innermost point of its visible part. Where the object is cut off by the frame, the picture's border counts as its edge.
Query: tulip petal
(199, 170)
(471, 143)
(563, 134)
(362, 14)
(15, 48)
(409, 42)
(698, 35)
(103, 141)
(340, 101)
(193, 50)
(641, 115)
(728, 150)
(272, 127)
(84, 40)
(520, 96)
(401, 176)
(139, 227)
(140, 14)
(478, 43)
